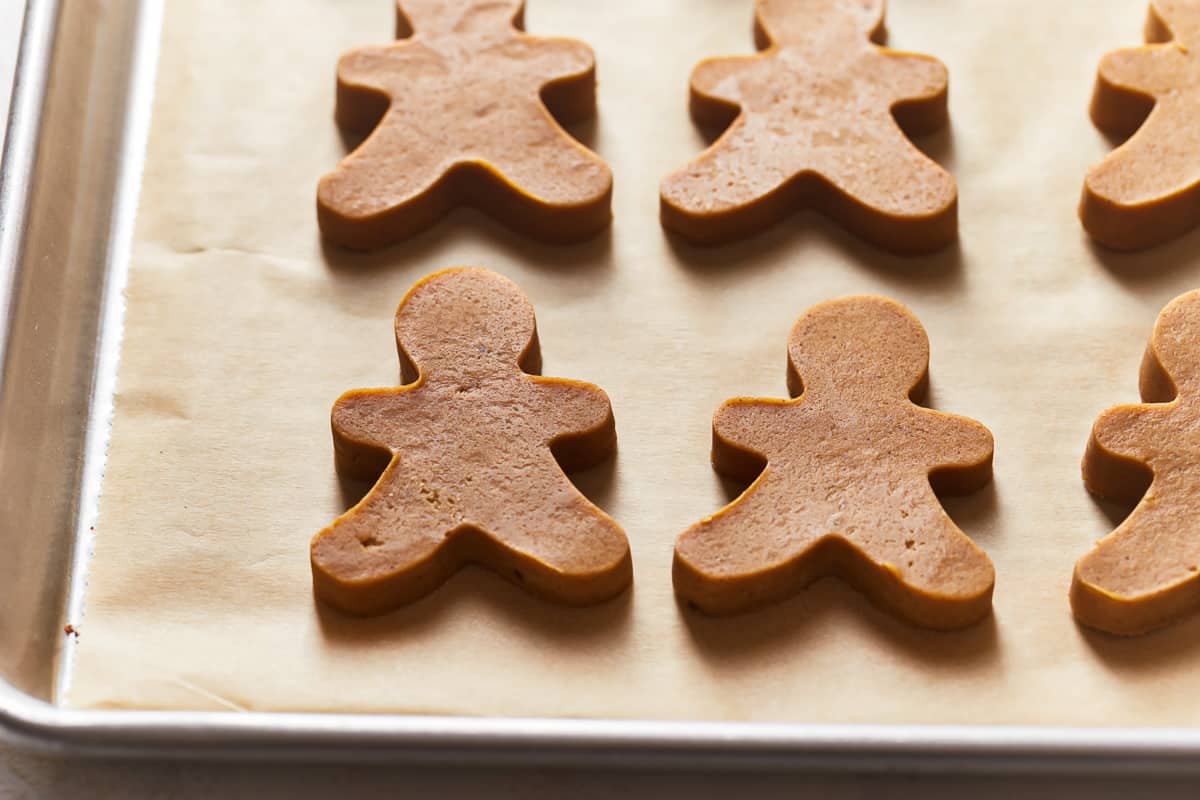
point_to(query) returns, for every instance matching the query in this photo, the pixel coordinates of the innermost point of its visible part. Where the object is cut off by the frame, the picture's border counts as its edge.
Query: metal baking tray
(70, 178)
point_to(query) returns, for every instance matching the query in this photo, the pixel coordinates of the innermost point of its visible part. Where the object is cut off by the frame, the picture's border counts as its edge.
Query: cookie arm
(578, 421)
(362, 95)
(564, 71)
(1116, 463)
(553, 58)
(367, 78)
(919, 87)
(1152, 70)
(1128, 83)
(358, 421)
(717, 77)
(714, 97)
(963, 456)
(742, 432)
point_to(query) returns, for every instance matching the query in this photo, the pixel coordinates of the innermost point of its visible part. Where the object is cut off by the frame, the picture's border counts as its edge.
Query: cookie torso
(846, 484)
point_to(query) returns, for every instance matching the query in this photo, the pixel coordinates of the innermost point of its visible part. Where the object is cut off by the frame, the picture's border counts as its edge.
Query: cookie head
(789, 21)
(857, 347)
(456, 16)
(466, 322)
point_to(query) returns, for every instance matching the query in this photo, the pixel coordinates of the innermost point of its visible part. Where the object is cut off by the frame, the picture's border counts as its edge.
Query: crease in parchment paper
(242, 329)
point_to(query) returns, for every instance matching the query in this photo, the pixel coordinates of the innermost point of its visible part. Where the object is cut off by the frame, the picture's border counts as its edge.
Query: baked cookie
(843, 479)
(462, 112)
(1144, 574)
(472, 451)
(818, 121)
(1148, 190)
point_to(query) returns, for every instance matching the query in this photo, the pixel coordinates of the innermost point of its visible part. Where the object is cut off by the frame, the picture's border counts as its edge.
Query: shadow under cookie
(777, 631)
(802, 236)
(1143, 269)
(466, 223)
(478, 591)
(1148, 654)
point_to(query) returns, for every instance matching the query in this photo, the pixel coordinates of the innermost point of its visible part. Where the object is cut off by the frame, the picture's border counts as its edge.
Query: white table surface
(28, 776)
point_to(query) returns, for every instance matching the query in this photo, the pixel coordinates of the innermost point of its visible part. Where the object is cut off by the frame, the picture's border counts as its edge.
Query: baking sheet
(242, 329)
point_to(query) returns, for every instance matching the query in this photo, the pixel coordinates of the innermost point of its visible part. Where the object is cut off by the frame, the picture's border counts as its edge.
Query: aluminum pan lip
(32, 723)
(30, 80)
(363, 737)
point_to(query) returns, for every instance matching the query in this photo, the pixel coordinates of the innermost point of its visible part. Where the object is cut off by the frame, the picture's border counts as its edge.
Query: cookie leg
(1141, 576)
(561, 547)
(383, 192)
(746, 556)
(925, 571)
(1147, 190)
(901, 201)
(730, 191)
(368, 562)
(541, 182)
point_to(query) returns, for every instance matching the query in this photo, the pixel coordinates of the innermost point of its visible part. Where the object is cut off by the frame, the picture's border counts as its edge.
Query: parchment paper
(242, 330)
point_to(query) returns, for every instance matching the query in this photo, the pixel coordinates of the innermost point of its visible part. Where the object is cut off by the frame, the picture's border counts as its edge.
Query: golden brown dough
(1144, 574)
(817, 122)
(842, 479)
(470, 453)
(1148, 190)
(459, 114)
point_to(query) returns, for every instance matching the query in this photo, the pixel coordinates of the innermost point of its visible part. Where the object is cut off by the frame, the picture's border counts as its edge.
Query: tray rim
(35, 724)
(289, 736)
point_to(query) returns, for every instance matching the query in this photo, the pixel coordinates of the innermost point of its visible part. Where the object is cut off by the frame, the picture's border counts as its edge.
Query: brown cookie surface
(1148, 190)
(472, 452)
(817, 122)
(1144, 574)
(842, 479)
(459, 113)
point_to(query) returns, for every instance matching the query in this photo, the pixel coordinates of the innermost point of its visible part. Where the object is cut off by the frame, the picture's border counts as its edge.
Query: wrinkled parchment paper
(242, 330)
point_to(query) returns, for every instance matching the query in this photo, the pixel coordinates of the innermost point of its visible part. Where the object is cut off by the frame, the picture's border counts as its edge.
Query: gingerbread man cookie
(1148, 190)
(459, 113)
(472, 452)
(1145, 573)
(842, 479)
(818, 120)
